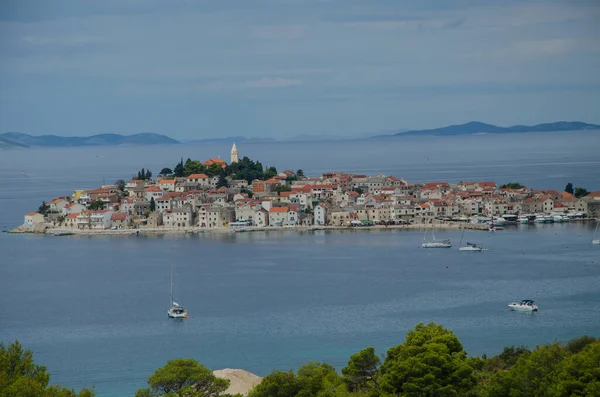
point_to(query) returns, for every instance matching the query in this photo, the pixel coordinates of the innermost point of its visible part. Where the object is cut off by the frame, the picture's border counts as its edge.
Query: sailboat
(472, 247)
(176, 310)
(596, 241)
(435, 243)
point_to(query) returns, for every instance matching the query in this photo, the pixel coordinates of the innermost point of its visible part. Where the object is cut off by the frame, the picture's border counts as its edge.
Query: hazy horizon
(199, 69)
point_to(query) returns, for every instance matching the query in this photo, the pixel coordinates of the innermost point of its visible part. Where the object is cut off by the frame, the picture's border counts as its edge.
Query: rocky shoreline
(248, 229)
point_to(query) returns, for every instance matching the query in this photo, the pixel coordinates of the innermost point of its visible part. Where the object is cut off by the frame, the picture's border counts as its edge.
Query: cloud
(278, 32)
(408, 24)
(272, 82)
(62, 41)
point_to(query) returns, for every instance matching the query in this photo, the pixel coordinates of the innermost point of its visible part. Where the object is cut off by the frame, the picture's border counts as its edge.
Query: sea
(93, 309)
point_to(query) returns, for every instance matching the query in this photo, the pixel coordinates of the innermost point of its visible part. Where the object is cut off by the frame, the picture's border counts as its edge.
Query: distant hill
(17, 139)
(230, 139)
(476, 127)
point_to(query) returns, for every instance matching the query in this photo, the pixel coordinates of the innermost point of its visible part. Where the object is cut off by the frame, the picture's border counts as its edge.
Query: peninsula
(242, 195)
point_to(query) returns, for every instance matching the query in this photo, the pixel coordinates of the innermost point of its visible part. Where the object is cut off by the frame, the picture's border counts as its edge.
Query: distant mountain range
(17, 139)
(476, 127)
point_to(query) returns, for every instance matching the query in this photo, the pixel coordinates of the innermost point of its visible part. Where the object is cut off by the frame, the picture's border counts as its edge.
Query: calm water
(93, 309)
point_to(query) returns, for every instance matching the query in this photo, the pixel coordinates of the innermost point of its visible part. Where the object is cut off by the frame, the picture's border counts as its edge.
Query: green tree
(276, 384)
(532, 375)
(313, 380)
(120, 183)
(580, 192)
(431, 362)
(184, 377)
(270, 172)
(193, 167)
(43, 209)
(579, 374)
(300, 174)
(148, 175)
(222, 180)
(576, 345)
(283, 188)
(214, 169)
(569, 188)
(362, 372)
(96, 205)
(512, 185)
(152, 204)
(20, 376)
(179, 169)
(165, 171)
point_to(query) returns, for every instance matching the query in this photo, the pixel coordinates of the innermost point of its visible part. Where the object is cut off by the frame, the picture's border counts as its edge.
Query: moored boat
(435, 243)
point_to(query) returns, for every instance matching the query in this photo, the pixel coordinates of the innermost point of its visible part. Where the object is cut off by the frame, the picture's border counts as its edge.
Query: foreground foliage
(184, 377)
(430, 362)
(20, 376)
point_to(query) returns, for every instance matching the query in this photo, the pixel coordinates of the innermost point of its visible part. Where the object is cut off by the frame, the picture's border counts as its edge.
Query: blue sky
(216, 68)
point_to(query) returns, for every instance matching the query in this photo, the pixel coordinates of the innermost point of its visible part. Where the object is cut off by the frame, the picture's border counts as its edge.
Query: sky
(281, 68)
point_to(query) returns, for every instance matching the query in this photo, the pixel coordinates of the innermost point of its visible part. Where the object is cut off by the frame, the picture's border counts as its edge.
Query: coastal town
(189, 201)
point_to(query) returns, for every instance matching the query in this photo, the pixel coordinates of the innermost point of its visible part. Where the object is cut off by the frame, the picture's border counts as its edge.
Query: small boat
(470, 247)
(435, 243)
(523, 219)
(526, 305)
(176, 310)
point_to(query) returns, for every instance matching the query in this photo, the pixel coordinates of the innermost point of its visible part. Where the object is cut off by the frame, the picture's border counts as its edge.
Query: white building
(33, 218)
(320, 215)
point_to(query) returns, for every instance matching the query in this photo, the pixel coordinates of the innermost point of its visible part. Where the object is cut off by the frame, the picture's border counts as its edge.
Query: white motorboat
(176, 310)
(523, 219)
(526, 305)
(435, 243)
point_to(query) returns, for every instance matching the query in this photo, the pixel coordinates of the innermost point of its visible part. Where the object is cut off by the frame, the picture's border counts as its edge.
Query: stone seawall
(197, 230)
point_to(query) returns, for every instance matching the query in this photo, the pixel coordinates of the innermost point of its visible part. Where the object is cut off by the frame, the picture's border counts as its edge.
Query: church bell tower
(234, 154)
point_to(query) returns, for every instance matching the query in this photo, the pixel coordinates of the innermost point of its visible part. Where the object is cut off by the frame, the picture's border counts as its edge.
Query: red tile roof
(118, 216)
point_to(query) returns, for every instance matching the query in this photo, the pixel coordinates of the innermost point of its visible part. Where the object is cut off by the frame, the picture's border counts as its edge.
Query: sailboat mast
(171, 297)
(462, 235)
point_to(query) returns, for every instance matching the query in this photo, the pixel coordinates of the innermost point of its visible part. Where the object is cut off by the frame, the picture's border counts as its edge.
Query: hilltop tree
(120, 183)
(165, 171)
(270, 172)
(569, 188)
(431, 362)
(581, 192)
(222, 180)
(179, 170)
(300, 173)
(43, 209)
(184, 377)
(512, 185)
(193, 167)
(20, 376)
(245, 169)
